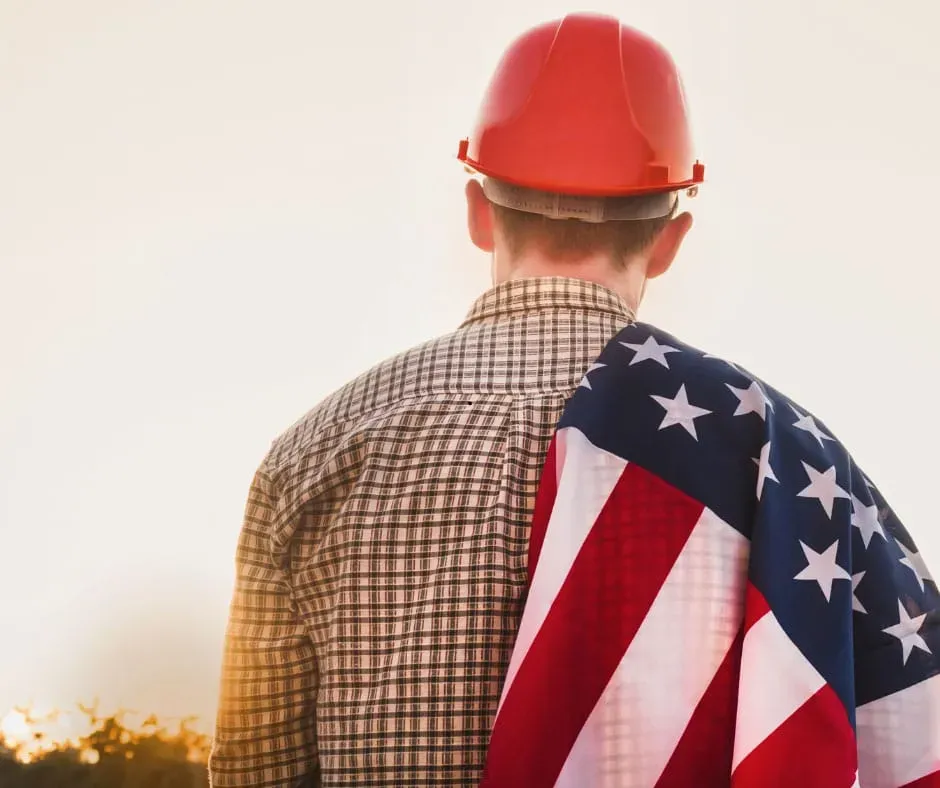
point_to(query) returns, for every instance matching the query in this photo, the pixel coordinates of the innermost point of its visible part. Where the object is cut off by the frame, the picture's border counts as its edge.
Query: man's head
(620, 253)
(583, 143)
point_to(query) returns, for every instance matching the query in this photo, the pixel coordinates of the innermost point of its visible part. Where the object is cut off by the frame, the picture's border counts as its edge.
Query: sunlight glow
(30, 733)
(14, 727)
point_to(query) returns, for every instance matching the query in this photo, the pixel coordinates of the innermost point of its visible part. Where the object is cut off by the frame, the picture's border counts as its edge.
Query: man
(383, 565)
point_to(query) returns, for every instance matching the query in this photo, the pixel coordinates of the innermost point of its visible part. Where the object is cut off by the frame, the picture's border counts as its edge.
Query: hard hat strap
(584, 208)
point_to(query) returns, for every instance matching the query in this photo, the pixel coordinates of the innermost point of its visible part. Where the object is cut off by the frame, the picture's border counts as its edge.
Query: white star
(823, 487)
(751, 400)
(856, 605)
(765, 471)
(585, 383)
(915, 562)
(865, 518)
(808, 424)
(906, 631)
(679, 411)
(822, 568)
(651, 349)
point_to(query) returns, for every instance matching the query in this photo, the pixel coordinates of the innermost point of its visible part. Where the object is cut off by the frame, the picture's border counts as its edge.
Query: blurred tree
(111, 756)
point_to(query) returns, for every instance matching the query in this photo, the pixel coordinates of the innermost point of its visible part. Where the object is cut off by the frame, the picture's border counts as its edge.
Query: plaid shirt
(381, 567)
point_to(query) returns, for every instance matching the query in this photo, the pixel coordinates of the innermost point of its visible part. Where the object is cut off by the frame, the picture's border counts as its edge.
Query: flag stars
(867, 520)
(907, 632)
(856, 605)
(680, 411)
(822, 487)
(808, 424)
(822, 568)
(765, 471)
(915, 562)
(650, 350)
(751, 400)
(585, 383)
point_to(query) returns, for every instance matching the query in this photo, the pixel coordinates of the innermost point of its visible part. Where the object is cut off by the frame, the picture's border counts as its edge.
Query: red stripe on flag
(544, 501)
(813, 748)
(624, 561)
(705, 752)
(927, 781)
(755, 607)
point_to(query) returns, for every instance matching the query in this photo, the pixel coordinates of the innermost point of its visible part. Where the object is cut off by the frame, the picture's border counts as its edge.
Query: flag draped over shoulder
(718, 596)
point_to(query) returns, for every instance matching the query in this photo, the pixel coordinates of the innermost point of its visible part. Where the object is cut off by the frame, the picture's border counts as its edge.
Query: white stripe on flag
(899, 736)
(587, 475)
(645, 708)
(776, 680)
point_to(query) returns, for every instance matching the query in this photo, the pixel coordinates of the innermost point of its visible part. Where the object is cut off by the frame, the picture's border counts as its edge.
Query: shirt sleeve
(265, 733)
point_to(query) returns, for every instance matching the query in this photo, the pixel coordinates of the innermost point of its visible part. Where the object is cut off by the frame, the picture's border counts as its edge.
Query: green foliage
(111, 756)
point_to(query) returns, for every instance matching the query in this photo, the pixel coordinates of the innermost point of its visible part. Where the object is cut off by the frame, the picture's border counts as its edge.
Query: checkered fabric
(382, 562)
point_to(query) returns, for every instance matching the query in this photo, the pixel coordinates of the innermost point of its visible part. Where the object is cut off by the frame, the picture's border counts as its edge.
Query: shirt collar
(555, 292)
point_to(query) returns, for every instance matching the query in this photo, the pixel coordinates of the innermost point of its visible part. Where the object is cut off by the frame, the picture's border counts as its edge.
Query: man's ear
(666, 246)
(479, 217)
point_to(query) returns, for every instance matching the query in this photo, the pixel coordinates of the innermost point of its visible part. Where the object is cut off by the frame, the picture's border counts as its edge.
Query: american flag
(718, 596)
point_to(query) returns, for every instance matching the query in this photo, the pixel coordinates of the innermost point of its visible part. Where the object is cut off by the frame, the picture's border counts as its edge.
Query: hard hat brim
(585, 208)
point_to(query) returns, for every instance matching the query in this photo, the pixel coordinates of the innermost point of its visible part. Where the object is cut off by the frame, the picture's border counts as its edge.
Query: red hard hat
(585, 106)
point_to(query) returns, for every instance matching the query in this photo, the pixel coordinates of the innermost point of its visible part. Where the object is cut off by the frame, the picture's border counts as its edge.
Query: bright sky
(214, 212)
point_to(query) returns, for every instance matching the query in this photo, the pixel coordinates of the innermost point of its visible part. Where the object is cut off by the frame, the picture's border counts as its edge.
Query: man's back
(383, 566)
(383, 561)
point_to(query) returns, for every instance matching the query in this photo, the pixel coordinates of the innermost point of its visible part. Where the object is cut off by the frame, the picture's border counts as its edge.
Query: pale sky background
(214, 212)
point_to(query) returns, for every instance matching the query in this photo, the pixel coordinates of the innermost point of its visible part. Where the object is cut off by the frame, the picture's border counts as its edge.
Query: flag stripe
(812, 748)
(586, 478)
(898, 743)
(928, 781)
(635, 726)
(544, 502)
(776, 679)
(639, 533)
(705, 751)
(755, 607)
